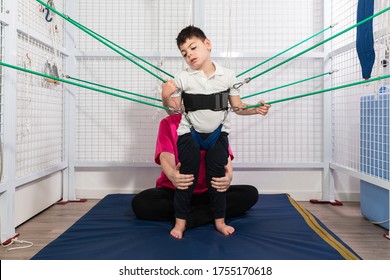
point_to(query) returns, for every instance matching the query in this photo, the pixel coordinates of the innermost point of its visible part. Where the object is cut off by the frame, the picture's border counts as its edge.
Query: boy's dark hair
(189, 32)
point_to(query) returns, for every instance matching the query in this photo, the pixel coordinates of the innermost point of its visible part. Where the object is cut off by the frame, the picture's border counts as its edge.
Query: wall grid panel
(110, 129)
(39, 111)
(32, 15)
(347, 103)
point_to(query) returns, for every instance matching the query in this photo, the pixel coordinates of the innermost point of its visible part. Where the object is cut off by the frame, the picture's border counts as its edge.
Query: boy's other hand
(263, 110)
(168, 88)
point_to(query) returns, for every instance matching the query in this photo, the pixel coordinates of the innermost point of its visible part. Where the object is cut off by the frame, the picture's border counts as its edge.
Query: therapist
(157, 203)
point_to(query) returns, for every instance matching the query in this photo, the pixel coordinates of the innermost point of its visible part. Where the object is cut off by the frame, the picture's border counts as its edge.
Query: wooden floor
(346, 221)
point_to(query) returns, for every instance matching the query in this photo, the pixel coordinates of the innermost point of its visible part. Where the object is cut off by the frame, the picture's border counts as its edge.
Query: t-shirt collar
(218, 70)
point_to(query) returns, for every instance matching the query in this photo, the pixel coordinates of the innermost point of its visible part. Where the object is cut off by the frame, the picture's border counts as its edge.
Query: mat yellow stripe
(328, 238)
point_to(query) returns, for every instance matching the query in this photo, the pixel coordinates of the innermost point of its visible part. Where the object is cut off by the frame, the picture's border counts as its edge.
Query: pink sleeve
(166, 140)
(231, 153)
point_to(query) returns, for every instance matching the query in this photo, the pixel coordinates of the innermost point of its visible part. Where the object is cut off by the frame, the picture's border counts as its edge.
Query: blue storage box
(374, 156)
(374, 203)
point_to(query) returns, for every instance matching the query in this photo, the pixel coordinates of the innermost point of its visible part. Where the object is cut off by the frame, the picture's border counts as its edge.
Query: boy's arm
(237, 104)
(174, 103)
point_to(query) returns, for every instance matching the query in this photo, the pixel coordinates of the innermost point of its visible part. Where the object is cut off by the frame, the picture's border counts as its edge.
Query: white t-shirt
(195, 82)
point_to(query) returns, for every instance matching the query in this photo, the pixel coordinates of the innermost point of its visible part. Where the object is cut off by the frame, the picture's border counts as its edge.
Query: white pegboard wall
(40, 111)
(112, 129)
(263, 26)
(139, 26)
(33, 15)
(349, 112)
(292, 132)
(343, 15)
(285, 136)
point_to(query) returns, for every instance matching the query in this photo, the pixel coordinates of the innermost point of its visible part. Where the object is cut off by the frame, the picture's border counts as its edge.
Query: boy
(206, 88)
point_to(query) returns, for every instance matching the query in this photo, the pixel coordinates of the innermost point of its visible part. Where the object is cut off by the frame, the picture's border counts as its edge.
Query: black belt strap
(217, 101)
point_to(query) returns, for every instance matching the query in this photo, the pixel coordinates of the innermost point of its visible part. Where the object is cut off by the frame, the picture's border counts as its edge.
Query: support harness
(217, 102)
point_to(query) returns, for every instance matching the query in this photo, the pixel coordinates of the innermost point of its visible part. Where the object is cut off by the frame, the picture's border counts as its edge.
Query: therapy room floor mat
(276, 228)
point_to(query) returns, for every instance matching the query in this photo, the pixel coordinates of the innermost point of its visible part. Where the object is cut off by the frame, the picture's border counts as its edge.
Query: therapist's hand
(222, 184)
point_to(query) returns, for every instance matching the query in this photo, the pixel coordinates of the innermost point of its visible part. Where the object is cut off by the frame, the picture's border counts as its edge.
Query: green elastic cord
(286, 85)
(106, 42)
(276, 55)
(112, 88)
(321, 43)
(80, 85)
(321, 91)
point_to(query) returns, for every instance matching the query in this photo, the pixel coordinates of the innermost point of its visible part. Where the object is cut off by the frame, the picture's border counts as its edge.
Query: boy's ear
(207, 42)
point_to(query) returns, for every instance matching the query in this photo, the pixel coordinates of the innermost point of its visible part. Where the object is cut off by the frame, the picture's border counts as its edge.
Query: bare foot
(223, 228)
(179, 228)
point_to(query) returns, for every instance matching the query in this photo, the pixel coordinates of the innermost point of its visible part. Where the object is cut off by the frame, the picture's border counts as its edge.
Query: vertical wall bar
(198, 13)
(327, 183)
(7, 199)
(70, 106)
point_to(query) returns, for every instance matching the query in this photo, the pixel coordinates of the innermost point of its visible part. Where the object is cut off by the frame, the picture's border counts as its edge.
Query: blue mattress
(276, 228)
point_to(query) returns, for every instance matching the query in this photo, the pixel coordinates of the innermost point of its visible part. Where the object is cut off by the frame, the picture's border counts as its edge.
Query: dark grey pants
(216, 159)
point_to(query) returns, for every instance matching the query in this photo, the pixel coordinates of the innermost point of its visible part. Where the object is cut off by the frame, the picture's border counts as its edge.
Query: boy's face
(196, 52)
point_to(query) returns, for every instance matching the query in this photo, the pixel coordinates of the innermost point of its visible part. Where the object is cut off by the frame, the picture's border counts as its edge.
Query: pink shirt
(166, 142)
